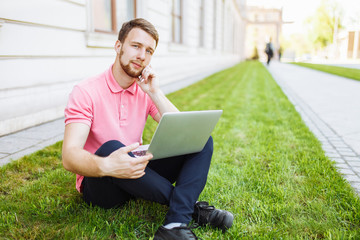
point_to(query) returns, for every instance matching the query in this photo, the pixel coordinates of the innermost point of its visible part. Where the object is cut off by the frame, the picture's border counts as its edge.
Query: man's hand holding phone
(147, 80)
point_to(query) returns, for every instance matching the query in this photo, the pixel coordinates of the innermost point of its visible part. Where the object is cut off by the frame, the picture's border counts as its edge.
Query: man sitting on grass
(105, 118)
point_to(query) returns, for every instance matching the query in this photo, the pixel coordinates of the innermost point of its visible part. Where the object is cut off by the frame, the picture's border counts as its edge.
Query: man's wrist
(155, 94)
(101, 166)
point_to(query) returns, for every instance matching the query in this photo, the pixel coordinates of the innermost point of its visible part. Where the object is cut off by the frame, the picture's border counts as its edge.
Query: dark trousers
(188, 171)
(268, 59)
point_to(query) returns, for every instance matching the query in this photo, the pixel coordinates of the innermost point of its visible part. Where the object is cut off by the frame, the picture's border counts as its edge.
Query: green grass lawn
(268, 169)
(340, 71)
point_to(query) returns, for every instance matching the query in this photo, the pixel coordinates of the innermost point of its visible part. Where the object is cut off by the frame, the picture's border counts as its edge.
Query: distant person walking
(269, 50)
(280, 53)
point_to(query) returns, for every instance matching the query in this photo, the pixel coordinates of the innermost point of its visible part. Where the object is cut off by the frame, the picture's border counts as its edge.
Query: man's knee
(108, 147)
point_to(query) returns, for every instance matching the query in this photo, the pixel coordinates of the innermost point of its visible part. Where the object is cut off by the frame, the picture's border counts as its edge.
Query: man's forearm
(162, 103)
(86, 164)
(118, 164)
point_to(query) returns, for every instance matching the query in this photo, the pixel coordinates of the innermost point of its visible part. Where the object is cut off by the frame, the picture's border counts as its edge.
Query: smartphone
(141, 78)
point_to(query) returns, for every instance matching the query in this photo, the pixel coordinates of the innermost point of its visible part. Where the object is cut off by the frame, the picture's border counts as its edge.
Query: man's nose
(141, 54)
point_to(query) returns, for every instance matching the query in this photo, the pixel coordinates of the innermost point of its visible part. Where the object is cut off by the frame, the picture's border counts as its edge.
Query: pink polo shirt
(112, 113)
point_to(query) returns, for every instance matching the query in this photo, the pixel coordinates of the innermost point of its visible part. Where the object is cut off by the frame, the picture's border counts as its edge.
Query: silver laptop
(180, 133)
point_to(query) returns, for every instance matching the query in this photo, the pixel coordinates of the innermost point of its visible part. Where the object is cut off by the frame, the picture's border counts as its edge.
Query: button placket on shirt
(123, 107)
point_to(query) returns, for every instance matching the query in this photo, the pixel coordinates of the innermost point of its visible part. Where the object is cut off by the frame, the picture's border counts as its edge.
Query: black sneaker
(205, 214)
(177, 233)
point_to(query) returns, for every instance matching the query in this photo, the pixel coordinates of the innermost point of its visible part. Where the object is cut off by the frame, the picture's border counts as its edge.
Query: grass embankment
(351, 73)
(268, 169)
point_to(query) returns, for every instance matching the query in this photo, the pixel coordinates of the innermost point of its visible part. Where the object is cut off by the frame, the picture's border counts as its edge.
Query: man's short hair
(138, 23)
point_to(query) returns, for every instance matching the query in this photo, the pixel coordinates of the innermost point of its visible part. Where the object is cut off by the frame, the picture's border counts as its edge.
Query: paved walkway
(330, 106)
(16, 145)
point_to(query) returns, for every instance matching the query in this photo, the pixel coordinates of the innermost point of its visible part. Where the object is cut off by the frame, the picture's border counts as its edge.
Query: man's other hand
(120, 165)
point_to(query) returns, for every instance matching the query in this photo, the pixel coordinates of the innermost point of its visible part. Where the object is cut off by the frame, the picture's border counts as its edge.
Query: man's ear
(117, 46)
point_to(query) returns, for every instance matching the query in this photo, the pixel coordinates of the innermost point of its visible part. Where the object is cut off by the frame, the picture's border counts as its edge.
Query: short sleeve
(79, 108)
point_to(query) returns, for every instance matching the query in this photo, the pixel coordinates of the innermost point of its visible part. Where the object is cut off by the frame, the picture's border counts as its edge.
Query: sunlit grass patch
(351, 73)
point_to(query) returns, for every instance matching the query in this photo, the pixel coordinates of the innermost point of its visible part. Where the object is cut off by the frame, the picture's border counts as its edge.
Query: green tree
(255, 55)
(324, 23)
(297, 43)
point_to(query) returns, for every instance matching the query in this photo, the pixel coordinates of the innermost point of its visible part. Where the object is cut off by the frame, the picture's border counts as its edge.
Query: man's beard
(127, 68)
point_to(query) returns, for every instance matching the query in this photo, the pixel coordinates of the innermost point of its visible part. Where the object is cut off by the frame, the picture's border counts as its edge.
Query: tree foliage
(324, 22)
(255, 55)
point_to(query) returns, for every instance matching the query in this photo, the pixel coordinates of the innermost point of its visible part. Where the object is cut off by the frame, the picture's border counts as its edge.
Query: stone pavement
(330, 106)
(16, 145)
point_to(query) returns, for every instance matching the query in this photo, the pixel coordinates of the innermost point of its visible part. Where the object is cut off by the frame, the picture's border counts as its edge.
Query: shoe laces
(207, 207)
(204, 206)
(203, 212)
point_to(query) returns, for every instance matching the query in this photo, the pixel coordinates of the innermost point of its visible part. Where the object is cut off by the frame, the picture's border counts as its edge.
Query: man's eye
(149, 52)
(135, 46)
